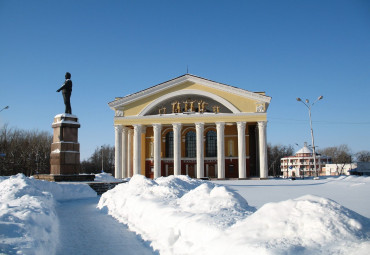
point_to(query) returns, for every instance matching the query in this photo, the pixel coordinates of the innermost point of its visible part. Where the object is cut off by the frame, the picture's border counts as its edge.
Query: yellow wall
(240, 102)
(190, 119)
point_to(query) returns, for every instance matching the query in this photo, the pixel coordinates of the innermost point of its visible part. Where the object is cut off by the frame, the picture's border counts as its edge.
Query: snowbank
(104, 177)
(28, 221)
(180, 215)
(306, 225)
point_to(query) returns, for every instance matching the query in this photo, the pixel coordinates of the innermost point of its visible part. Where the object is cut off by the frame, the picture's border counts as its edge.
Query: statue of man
(66, 89)
(186, 105)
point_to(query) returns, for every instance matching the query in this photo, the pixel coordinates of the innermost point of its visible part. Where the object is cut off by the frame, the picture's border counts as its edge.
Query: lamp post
(6, 107)
(309, 106)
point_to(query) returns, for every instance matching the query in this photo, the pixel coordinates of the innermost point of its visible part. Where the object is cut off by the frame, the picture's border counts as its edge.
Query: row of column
(123, 155)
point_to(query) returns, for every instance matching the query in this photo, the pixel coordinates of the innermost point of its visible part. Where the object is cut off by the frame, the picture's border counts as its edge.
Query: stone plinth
(66, 178)
(65, 149)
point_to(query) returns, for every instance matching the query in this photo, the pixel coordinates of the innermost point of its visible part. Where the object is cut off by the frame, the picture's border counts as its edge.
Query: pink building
(302, 163)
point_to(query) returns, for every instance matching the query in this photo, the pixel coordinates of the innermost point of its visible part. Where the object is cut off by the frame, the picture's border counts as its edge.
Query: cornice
(187, 78)
(230, 89)
(189, 116)
(147, 92)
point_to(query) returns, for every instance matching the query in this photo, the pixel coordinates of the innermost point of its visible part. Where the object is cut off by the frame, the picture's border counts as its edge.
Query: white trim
(59, 151)
(187, 78)
(219, 99)
(147, 92)
(186, 130)
(66, 115)
(230, 89)
(188, 116)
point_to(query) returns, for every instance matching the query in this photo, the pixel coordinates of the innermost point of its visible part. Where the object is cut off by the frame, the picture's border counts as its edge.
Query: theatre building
(191, 126)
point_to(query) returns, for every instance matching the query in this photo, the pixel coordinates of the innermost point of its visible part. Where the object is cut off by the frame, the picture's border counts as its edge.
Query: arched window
(190, 145)
(211, 144)
(169, 144)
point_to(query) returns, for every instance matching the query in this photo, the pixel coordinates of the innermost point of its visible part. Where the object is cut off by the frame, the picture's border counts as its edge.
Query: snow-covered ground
(28, 220)
(105, 177)
(349, 191)
(40, 217)
(179, 215)
(86, 230)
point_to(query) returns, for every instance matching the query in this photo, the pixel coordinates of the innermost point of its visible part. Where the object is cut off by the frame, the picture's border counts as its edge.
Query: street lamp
(6, 107)
(309, 106)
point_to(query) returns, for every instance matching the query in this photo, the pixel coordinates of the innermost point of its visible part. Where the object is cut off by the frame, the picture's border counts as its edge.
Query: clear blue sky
(112, 48)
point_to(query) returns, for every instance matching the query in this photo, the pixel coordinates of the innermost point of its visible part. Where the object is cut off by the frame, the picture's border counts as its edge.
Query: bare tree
(363, 156)
(24, 152)
(101, 159)
(274, 154)
(340, 155)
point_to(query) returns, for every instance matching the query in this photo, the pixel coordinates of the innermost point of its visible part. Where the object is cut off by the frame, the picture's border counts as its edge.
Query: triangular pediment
(189, 87)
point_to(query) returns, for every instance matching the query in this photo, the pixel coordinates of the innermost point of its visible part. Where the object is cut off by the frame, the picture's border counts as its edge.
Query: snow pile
(105, 177)
(351, 179)
(166, 213)
(180, 215)
(28, 221)
(306, 225)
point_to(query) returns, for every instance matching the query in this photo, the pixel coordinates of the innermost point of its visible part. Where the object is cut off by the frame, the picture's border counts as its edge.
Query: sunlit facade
(302, 163)
(191, 126)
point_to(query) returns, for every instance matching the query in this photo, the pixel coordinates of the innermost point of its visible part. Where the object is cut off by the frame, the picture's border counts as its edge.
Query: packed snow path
(86, 230)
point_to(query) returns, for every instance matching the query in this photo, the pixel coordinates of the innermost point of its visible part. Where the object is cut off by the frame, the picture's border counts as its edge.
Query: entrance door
(191, 170)
(212, 171)
(170, 170)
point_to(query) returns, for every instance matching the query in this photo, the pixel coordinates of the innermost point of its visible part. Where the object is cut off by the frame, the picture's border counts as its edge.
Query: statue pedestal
(65, 149)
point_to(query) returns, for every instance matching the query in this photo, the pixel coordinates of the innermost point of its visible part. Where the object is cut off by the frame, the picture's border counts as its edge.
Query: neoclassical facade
(191, 126)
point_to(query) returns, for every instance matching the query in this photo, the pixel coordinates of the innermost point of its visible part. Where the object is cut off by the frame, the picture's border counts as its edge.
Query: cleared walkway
(86, 230)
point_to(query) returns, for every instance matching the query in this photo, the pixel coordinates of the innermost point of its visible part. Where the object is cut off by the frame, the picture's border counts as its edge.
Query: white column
(157, 150)
(263, 149)
(124, 152)
(129, 153)
(137, 149)
(176, 148)
(200, 149)
(220, 126)
(241, 150)
(118, 151)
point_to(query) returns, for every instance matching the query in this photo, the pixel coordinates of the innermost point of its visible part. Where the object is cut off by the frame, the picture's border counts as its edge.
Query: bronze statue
(186, 103)
(192, 105)
(66, 89)
(173, 106)
(201, 106)
(216, 108)
(162, 110)
(204, 106)
(178, 107)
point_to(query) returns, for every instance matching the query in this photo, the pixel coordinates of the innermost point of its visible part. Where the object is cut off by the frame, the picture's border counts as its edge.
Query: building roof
(304, 150)
(192, 78)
